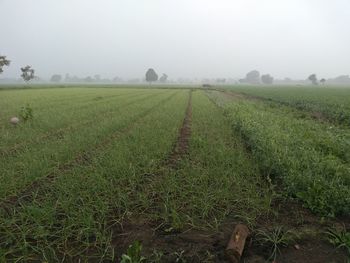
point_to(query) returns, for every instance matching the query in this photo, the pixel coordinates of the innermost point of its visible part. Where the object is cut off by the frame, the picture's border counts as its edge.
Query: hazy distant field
(98, 168)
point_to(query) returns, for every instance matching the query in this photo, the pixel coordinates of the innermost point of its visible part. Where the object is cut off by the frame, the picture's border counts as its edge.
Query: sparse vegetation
(340, 238)
(274, 240)
(133, 254)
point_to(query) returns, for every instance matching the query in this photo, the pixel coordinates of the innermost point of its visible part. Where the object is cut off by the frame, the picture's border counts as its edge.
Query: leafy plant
(274, 239)
(339, 238)
(133, 254)
(26, 113)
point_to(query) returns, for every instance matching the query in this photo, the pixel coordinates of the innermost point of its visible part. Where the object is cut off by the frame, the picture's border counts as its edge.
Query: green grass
(216, 181)
(310, 159)
(332, 102)
(72, 213)
(98, 156)
(19, 169)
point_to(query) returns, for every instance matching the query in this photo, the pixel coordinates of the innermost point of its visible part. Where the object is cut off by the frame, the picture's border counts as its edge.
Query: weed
(339, 238)
(133, 254)
(274, 240)
(26, 113)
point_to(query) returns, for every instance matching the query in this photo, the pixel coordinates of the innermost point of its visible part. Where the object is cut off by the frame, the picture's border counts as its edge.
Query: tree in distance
(3, 62)
(313, 79)
(163, 78)
(267, 79)
(27, 73)
(323, 81)
(56, 78)
(151, 75)
(252, 77)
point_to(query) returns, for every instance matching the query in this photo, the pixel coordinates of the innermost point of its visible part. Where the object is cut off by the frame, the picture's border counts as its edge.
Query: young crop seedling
(274, 240)
(133, 254)
(339, 238)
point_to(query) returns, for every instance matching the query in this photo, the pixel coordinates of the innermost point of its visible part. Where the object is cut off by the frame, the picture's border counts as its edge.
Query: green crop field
(332, 103)
(168, 172)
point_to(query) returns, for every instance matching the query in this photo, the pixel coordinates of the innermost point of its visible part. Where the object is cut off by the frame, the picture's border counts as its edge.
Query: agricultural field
(329, 103)
(161, 174)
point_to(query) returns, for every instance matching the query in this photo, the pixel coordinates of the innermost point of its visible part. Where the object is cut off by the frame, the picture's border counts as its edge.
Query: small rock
(296, 246)
(14, 120)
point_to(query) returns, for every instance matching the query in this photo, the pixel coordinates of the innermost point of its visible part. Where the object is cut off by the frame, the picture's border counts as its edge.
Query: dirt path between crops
(182, 143)
(82, 158)
(152, 233)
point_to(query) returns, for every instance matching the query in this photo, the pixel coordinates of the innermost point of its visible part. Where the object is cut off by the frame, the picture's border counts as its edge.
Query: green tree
(267, 79)
(151, 75)
(313, 79)
(3, 62)
(27, 73)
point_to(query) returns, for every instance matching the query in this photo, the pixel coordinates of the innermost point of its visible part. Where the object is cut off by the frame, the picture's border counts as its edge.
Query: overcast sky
(183, 38)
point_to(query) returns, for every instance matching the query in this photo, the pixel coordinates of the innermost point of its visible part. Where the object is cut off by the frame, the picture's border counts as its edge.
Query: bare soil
(209, 246)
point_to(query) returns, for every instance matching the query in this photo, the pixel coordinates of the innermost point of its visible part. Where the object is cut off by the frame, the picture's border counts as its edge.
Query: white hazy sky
(183, 38)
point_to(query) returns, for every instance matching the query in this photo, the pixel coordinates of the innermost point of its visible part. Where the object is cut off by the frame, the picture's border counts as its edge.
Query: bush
(26, 113)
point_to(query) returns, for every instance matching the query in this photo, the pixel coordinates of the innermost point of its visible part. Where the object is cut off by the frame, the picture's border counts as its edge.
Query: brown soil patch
(192, 245)
(209, 246)
(310, 244)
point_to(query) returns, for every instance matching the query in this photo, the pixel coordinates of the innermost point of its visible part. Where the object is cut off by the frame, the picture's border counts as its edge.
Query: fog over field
(183, 38)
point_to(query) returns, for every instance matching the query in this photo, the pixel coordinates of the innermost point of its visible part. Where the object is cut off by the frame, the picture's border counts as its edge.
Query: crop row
(215, 182)
(52, 118)
(73, 217)
(39, 159)
(72, 120)
(330, 103)
(48, 98)
(302, 154)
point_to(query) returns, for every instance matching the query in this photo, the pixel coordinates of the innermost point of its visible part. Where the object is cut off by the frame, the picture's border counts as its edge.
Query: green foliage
(3, 62)
(339, 238)
(274, 239)
(26, 113)
(310, 159)
(133, 254)
(132, 131)
(332, 102)
(105, 159)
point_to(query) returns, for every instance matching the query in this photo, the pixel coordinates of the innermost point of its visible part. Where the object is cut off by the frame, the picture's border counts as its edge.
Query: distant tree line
(252, 77)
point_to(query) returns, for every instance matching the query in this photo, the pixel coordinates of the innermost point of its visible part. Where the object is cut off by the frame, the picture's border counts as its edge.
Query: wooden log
(236, 243)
